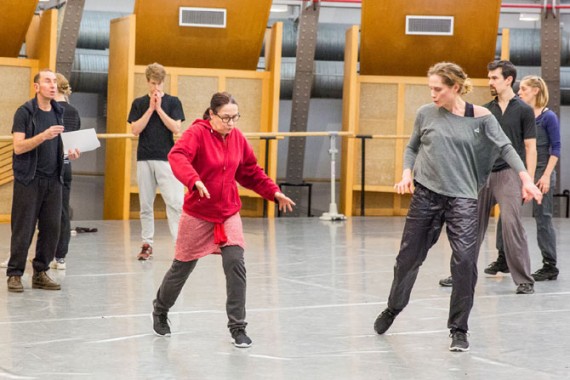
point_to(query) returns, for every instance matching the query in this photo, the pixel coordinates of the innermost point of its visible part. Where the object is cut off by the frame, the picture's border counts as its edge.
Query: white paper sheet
(84, 139)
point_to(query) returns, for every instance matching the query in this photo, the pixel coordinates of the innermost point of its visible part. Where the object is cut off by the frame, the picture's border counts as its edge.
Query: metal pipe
(535, 6)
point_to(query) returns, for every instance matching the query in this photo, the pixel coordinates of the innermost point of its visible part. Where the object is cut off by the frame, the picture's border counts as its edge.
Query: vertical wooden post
(119, 98)
(350, 95)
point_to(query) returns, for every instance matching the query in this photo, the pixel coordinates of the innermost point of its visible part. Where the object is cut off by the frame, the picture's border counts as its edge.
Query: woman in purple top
(534, 92)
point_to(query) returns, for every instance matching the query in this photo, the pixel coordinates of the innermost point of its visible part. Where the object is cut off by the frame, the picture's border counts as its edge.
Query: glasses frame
(226, 120)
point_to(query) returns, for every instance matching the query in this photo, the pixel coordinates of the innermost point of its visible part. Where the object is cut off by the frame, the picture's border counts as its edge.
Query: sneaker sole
(458, 349)
(243, 345)
(552, 278)
(45, 287)
(16, 290)
(507, 271)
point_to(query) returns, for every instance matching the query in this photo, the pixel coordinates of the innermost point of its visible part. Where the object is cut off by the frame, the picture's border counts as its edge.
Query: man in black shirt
(156, 118)
(503, 185)
(38, 168)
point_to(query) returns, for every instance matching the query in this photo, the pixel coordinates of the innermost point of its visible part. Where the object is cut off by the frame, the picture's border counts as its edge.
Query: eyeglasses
(227, 119)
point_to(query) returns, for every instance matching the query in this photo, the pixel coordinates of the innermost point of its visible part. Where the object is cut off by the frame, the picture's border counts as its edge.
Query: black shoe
(240, 339)
(497, 266)
(383, 321)
(525, 289)
(547, 272)
(459, 342)
(160, 324)
(446, 282)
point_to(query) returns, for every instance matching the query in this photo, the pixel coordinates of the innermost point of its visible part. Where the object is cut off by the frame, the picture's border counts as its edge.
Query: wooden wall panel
(416, 96)
(248, 93)
(41, 39)
(378, 108)
(236, 47)
(14, 92)
(385, 49)
(6, 191)
(195, 94)
(17, 88)
(15, 18)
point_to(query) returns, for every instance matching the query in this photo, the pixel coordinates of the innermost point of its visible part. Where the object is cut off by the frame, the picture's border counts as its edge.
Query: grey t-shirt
(453, 155)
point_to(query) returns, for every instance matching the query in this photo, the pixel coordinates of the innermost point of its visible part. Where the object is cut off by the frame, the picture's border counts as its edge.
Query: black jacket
(24, 165)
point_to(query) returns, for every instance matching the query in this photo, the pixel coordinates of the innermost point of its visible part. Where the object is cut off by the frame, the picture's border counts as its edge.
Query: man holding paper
(38, 177)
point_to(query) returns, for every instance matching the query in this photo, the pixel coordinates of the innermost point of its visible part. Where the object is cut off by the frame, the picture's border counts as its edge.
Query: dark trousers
(234, 269)
(426, 215)
(65, 232)
(38, 202)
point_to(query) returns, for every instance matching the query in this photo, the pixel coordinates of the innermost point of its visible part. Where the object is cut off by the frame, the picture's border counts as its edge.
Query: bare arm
(543, 182)
(138, 126)
(173, 125)
(530, 154)
(24, 145)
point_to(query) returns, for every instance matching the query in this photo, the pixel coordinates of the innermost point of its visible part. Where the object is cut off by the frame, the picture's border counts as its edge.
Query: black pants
(38, 202)
(65, 232)
(428, 211)
(234, 269)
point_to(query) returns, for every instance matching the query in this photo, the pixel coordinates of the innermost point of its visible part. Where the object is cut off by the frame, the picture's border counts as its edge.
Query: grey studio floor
(314, 290)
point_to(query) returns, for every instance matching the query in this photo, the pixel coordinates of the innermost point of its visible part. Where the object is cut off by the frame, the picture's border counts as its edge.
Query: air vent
(202, 17)
(430, 25)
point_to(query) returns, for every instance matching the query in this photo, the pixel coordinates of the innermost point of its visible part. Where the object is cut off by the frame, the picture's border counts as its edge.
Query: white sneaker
(4, 264)
(57, 264)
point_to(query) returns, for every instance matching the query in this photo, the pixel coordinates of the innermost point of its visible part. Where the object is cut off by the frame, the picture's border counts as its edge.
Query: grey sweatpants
(150, 175)
(545, 233)
(504, 188)
(234, 269)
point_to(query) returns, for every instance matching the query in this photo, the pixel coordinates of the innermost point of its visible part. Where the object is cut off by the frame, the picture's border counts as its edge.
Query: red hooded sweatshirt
(202, 154)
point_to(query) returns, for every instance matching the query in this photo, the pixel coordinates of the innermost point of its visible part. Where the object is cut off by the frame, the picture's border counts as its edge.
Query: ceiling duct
(202, 17)
(430, 25)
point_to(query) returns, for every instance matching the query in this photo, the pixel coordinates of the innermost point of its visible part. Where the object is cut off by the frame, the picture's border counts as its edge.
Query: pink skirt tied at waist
(196, 237)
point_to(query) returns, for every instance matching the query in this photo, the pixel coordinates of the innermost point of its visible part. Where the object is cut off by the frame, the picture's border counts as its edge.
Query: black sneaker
(459, 342)
(383, 321)
(446, 282)
(160, 324)
(497, 266)
(547, 272)
(240, 339)
(525, 289)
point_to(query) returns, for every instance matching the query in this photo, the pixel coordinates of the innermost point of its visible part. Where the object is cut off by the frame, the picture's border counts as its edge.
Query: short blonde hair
(542, 96)
(452, 74)
(155, 71)
(63, 86)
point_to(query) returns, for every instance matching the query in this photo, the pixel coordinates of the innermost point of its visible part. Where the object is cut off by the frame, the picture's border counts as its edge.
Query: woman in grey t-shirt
(451, 151)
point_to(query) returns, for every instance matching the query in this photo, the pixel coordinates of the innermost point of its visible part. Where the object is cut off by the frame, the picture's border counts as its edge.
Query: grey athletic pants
(504, 187)
(234, 269)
